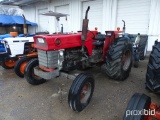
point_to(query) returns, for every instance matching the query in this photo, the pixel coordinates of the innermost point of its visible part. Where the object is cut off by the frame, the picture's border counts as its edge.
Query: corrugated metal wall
(136, 15)
(106, 20)
(74, 18)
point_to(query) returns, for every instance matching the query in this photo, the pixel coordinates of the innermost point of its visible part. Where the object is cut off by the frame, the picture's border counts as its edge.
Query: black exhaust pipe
(85, 28)
(61, 28)
(124, 26)
(24, 27)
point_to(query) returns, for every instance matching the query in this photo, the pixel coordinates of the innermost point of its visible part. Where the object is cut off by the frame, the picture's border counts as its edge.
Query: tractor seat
(100, 37)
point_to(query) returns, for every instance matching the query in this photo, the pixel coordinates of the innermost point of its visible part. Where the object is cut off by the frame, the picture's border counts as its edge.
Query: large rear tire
(119, 59)
(81, 92)
(137, 103)
(20, 66)
(142, 47)
(29, 73)
(153, 69)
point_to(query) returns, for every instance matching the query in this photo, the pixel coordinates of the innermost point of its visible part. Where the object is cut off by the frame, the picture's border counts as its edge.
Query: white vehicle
(15, 47)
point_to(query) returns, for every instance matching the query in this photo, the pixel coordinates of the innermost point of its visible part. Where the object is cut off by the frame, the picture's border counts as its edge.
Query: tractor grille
(48, 59)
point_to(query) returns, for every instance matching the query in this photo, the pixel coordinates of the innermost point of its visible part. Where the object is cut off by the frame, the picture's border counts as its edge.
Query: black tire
(29, 73)
(18, 65)
(114, 67)
(138, 102)
(3, 64)
(136, 64)
(75, 98)
(142, 47)
(153, 69)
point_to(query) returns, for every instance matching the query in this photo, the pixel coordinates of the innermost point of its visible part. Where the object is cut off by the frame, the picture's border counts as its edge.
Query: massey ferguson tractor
(140, 106)
(60, 54)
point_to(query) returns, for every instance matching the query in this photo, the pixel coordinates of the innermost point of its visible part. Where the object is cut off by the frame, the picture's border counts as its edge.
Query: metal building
(141, 16)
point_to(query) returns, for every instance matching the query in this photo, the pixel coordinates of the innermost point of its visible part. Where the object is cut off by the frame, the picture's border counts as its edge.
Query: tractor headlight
(40, 40)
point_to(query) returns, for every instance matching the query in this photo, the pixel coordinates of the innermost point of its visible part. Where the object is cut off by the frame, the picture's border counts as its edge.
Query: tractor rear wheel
(81, 92)
(153, 69)
(20, 66)
(142, 48)
(8, 64)
(136, 105)
(119, 59)
(29, 73)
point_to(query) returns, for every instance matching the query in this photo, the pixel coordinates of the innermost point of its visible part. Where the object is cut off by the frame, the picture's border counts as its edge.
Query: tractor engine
(72, 59)
(96, 55)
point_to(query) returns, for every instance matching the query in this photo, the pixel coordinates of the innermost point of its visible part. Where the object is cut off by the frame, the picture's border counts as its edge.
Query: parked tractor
(13, 48)
(60, 54)
(140, 107)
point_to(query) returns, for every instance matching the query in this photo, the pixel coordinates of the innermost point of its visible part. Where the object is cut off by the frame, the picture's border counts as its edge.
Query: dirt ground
(22, 101)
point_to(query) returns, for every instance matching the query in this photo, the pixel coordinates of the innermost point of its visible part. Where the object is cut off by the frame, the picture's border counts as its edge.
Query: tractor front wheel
(29, 73)
(81, 92)
(136, 106)
(119, 59)
(8, 64)
(20, 66)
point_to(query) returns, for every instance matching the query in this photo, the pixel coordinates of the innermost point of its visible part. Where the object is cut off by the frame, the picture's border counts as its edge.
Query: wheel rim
(85, 93)
(10, 63)
(126, 60)
(22, 67)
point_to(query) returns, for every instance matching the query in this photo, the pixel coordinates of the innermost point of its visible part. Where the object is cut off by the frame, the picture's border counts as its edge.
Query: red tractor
(140, 107)
(59, 54)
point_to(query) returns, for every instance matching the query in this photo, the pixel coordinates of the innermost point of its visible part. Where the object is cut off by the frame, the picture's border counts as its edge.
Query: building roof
(20, 2)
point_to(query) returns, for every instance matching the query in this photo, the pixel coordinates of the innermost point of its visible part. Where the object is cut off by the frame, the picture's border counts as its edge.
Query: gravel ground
(22, 101)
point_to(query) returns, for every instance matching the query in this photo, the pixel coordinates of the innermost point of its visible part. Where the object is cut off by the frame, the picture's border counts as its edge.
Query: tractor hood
(57, 42)
(19, 39)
